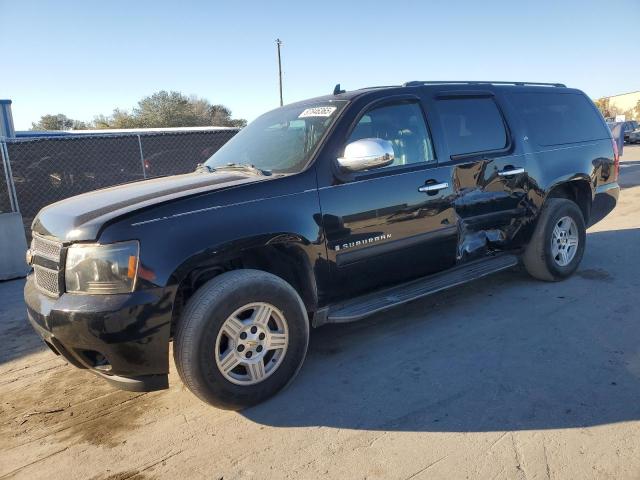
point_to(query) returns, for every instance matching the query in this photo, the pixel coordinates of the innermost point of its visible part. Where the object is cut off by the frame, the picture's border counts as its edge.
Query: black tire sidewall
(212, 386)
(566, 209)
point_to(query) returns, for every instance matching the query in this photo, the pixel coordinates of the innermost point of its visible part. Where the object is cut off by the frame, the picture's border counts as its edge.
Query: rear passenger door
(390, 224)
(489, 174)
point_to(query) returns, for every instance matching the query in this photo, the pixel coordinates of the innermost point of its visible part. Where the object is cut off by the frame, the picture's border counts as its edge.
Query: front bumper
(124, 338)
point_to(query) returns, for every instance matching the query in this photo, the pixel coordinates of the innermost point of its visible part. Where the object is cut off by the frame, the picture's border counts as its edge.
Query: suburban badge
(366, 241)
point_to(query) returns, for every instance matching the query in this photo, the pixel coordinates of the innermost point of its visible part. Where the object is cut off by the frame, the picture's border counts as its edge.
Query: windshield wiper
(202, 168)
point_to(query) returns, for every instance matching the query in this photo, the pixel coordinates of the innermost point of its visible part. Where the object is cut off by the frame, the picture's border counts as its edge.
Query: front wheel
(242, 337)
(557, 244)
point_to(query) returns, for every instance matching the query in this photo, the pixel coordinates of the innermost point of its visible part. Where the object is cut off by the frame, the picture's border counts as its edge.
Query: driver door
(392, 223)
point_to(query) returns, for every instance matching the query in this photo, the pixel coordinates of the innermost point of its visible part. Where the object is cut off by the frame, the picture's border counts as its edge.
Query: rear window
(472, 125)
(559, 118)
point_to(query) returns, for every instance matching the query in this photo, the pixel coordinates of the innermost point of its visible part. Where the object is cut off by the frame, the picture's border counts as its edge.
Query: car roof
(414, 86)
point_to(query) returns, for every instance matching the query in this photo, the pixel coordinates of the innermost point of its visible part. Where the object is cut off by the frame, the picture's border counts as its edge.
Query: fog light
(97, 360)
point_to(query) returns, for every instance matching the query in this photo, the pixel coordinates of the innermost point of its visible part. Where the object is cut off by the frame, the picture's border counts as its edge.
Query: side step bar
(375, 302)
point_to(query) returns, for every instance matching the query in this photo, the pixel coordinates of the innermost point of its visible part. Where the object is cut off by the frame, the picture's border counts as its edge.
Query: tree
(118, 119)
(161, 109)
(58, 122)
(220, 116)
(604, 105)
(170, 109)
(165, 109)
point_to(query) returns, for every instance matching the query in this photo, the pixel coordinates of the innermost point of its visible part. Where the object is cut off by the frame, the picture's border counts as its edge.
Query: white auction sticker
(317, 112)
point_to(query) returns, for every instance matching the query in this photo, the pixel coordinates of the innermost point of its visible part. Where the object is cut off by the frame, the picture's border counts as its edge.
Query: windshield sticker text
(317, 112)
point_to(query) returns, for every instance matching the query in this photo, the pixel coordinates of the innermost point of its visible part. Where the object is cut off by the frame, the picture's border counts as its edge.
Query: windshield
(280, 141)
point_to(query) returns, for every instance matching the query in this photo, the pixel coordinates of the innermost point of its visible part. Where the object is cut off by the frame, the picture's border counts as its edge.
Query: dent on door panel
(490, 208)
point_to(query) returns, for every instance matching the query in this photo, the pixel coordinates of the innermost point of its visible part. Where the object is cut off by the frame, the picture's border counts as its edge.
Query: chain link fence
(44, 170)
(5, 182)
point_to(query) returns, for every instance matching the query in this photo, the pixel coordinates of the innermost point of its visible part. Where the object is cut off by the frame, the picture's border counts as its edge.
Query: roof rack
(378, 86)
(416, 83)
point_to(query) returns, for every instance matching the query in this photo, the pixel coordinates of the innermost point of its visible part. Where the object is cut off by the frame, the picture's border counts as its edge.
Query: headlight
(102, 269)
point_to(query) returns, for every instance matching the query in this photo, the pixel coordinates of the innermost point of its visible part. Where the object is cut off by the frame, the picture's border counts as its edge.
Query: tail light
(616, 159)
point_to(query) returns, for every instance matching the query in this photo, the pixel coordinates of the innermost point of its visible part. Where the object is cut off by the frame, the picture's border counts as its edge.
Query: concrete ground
(503, 378)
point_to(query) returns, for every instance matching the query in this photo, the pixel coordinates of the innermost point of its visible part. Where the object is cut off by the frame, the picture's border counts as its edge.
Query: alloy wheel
(564, 241)
(252, 343)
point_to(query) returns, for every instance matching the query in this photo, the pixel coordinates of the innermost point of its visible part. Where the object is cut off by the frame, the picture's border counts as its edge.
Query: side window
(472, 125)
(559, 118)
(403, 125)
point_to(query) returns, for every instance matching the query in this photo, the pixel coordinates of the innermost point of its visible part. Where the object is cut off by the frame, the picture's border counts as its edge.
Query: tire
(539, 259)
(206, 335)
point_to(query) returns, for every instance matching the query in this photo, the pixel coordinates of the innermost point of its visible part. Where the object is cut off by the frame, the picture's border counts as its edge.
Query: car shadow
(503, 353)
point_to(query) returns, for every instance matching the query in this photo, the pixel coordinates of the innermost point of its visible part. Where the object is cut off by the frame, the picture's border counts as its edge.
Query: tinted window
(403, 125)
(558, 118)
(472, 125)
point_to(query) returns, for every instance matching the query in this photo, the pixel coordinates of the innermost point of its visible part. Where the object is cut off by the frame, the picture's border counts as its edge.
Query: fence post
(13, 243)
(11, 189)
(144, 170)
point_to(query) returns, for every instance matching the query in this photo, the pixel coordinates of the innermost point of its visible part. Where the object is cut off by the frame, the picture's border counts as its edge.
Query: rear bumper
(604, 201)
(122, 338)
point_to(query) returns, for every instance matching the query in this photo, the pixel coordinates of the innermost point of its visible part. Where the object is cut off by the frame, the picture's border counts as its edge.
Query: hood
(81, 217)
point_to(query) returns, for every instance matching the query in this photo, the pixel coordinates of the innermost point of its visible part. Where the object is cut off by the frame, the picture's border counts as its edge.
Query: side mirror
(366, 154)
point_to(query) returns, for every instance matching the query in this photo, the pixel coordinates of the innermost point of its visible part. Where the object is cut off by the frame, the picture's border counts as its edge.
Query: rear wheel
(242, 337)
(557, 245)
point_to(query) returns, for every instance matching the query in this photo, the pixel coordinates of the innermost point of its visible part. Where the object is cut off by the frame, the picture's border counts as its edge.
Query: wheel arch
(578, 189)
(283, 254)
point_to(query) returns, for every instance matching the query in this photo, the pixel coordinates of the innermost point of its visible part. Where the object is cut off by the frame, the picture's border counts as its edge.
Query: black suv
(323, 211)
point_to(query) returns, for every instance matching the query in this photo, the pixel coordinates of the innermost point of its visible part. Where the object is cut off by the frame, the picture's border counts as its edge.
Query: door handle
(511, 172)
(433, 187)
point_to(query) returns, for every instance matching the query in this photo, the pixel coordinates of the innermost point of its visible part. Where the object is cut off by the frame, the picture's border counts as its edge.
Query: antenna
(336, 89)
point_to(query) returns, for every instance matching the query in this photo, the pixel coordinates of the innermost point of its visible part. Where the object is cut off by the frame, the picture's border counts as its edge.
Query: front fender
(179, 236)
(238, 248)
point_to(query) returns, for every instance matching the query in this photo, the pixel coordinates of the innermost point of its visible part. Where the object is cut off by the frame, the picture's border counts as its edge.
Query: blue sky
(83, 58)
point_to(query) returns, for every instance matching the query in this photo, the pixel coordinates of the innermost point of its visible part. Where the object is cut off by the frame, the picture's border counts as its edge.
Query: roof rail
(416, 83)
(379, 86)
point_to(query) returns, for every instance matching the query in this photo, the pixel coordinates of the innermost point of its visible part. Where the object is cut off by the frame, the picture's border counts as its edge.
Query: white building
(625, 102)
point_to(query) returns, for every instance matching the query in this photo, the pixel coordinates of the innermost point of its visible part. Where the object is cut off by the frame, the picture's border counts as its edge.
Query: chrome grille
(48, 280)
(46, 248)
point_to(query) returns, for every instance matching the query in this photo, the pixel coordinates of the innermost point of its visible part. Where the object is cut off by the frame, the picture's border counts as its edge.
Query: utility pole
(278, 43)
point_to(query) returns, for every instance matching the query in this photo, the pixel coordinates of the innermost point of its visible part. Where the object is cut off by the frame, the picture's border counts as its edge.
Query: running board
(381, 300)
